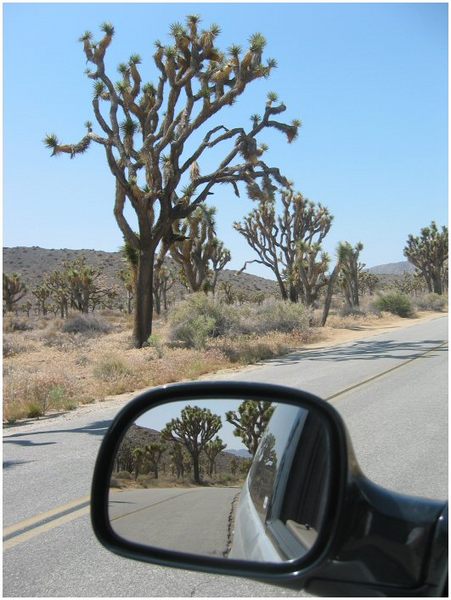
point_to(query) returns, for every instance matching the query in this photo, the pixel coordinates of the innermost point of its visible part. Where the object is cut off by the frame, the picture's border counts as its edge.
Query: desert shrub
(61, 341)
(111, 368)
(197, 318)
(123, 475)
(270, 315)
(432, 302)
(395, 303)
(12, 323)
(86, 324)
(34, 394)
(12, 346)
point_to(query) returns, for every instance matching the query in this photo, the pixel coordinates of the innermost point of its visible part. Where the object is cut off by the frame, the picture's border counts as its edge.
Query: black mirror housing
(371, 541)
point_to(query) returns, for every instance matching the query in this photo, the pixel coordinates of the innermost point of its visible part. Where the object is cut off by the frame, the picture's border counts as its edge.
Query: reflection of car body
(263, 529)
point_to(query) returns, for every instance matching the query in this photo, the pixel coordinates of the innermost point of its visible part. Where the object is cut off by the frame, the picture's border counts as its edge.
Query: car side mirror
(254, 480)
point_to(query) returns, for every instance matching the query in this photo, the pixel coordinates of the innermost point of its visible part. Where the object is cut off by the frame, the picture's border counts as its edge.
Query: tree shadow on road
(98, 428)
(365, 350)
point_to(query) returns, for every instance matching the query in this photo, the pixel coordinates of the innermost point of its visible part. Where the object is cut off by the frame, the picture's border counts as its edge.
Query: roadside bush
(197, 318)
(270, 315)
(395, 303)
(12, 323)
(111, 368)
(87, 324)
(432, 301)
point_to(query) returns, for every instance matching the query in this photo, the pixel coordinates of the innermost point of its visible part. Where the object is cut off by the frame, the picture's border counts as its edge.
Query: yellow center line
(382, 374)
(28, 535)
(43, 516)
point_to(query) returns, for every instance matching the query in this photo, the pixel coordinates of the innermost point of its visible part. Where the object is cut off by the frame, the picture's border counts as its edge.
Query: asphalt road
(175, 518)
(390, 388)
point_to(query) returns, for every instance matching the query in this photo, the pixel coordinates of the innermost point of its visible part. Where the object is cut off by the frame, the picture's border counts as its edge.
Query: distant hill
(241, 453)
(398, 268)
(32, 263)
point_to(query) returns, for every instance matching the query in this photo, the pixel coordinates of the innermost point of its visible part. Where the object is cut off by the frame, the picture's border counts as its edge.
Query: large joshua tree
(428, 252)
(289, 243)
(147, 134)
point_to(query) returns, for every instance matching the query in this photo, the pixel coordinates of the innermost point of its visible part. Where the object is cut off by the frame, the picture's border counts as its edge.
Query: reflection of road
(183, 519)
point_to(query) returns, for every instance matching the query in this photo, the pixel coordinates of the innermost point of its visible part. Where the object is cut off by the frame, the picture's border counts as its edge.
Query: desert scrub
(395, 303)
(270, 315)
(201, 318)
(435, 302)
(86, 324)
(34, 394)
(198, 318)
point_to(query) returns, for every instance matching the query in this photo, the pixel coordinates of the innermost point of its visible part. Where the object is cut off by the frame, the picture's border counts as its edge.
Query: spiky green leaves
(86, 37)
(234, 50)
(257, 42)
(51, 141)
(128, 127)
(135, 59)
(99, 89)
(107, 28)
(272, 97)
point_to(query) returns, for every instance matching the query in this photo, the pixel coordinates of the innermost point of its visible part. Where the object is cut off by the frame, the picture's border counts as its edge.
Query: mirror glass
(239, 479)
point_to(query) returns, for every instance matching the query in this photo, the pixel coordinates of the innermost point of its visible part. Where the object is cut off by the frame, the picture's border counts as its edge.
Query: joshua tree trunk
(196, 471)
(144, 297)
(329, 292)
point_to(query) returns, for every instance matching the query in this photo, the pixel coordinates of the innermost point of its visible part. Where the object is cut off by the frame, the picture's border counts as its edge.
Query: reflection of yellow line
(24, 537)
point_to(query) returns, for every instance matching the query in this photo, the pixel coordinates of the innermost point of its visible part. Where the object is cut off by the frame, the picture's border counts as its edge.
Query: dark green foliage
(395, 303)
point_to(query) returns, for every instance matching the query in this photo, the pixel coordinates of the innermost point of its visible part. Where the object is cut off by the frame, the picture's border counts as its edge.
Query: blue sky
(368, 81)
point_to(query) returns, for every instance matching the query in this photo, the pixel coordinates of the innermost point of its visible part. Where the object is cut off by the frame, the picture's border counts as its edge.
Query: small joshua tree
(199, 253)
(147, 133)
(14, 290)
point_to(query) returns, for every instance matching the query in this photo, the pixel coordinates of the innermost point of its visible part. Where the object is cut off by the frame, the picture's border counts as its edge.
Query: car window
(272, 456)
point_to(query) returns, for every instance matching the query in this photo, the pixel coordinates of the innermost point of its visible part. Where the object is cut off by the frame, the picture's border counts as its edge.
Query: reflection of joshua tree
(153, 453)
(250, 422)
(193, 429)
(138, 457)
(264, 470)
(124, 456)
(212, 449)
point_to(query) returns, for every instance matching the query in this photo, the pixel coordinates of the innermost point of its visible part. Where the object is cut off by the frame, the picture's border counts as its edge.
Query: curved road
(391, 389)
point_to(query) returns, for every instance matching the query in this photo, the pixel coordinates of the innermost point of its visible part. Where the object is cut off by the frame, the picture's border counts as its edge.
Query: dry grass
(47, 369)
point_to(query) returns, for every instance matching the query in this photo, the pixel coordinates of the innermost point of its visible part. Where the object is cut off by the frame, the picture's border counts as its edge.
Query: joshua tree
(428, 252)
(350, 273)
(42, 295)
(199, 250)
(163, 281)
(153, 454)
(212, 449)
(138, 459)
(84, 284)
(289, 244)
(147, 133)
(126, 276)
(14, 290)
(193, 429)
(250, 422)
